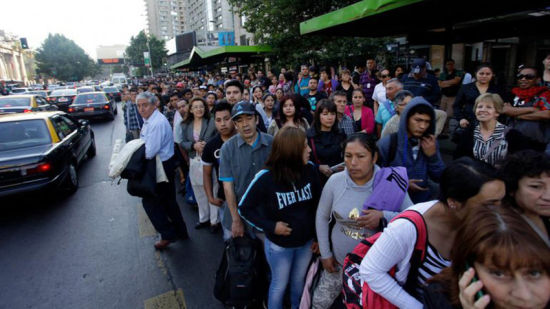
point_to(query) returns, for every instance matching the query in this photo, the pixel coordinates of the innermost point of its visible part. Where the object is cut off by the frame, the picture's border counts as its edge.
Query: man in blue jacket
(415, 147)
(422, 84)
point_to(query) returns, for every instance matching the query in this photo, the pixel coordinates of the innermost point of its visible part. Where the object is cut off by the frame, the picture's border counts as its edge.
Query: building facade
(16, 64)
(165, 18)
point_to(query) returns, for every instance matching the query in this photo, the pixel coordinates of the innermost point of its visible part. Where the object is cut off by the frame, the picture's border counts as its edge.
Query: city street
(94, 249)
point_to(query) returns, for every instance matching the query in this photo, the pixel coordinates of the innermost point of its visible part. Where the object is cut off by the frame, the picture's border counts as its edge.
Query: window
(22, 134)
(69, 122)
(61, 127)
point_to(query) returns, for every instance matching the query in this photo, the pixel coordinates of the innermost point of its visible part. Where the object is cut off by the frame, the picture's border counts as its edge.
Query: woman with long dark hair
(281, 201)
(326, 139)
(289, 114)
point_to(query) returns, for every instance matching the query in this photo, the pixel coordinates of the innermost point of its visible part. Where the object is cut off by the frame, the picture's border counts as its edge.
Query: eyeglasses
(198, 107)
(384, 76)
(526, 76)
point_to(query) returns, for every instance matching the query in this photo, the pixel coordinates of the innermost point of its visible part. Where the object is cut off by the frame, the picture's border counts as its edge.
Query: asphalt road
(94, 249)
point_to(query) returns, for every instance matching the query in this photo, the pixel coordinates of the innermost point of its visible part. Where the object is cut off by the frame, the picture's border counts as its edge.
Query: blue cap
(242, 108)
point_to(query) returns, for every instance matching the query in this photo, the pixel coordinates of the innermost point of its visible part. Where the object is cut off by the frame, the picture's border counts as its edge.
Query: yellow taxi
(25, 103)
(42, 150)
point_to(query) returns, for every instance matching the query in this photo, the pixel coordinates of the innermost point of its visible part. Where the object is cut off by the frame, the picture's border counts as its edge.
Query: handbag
(195, 171)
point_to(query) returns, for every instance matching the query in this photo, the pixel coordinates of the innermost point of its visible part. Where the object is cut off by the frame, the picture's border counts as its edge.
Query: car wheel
(115, 109)
(111, 116)
(71, 181)
(91, 150)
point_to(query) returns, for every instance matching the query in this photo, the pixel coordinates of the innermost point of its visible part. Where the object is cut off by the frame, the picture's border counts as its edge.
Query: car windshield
(110, 89)
(14, 102)
(18, 90)
(23, 134)
(61, 92)
(90, 98)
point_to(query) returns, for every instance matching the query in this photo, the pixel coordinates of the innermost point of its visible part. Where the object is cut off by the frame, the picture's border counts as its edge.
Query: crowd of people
(312, 162)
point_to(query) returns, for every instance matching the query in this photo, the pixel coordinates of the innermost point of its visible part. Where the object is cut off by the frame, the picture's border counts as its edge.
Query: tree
(63, 59)
(138, 45)
(277, 23)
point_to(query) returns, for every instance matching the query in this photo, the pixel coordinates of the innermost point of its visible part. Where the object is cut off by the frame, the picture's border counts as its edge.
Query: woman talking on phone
(464, 184)
(281, 200)
(499, 262)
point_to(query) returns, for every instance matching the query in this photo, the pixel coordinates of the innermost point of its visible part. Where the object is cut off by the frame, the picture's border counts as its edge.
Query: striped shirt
(432, 265)
(485, 151)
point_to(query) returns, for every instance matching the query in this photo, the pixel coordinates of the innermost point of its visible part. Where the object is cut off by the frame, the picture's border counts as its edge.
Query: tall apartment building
(208, 17)
(165, 18)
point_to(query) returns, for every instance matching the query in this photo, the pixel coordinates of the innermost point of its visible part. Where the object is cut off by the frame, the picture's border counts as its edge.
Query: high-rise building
(165, 18)
(209, 17)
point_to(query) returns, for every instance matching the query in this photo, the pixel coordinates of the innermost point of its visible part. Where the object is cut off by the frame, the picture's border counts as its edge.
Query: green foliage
(277, 23)
(138, 45)
(63, 59)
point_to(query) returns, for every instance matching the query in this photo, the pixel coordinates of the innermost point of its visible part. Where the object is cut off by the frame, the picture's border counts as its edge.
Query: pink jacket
(367, 118)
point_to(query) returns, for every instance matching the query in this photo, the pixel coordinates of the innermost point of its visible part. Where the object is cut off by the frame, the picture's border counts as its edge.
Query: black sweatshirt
(266, 202)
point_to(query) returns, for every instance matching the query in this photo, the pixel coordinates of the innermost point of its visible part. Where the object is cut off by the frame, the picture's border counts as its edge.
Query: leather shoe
(201, 225)
(162, 244)
(214, 228)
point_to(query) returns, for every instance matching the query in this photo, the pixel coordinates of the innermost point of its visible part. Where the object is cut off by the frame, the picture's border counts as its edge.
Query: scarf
(528, 94)
(389, 188)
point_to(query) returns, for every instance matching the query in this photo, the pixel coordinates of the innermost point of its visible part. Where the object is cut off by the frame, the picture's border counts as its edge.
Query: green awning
(351, 13)
(432, 20)
(210, 54)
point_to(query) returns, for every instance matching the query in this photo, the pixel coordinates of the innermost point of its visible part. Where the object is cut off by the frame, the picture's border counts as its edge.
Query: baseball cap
(179, 85)
(418, 65)
(203, 87)
(242, 108)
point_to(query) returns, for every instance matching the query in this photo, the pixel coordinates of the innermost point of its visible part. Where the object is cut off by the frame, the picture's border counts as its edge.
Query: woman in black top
(325, 140)
(346, 84)
(282, 201)
(463, 107)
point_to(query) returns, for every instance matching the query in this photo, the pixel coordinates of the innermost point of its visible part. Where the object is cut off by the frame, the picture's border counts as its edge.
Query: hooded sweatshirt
(420, 168)
(342, 197)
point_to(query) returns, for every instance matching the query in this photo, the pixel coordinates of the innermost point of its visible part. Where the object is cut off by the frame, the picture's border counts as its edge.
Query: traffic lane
(84, 251)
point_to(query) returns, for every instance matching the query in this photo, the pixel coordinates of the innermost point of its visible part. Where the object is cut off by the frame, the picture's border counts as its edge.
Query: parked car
(93, 104)
(25, 103)
(62, 98)
(42, 151)
(42, 93)
(113, 93)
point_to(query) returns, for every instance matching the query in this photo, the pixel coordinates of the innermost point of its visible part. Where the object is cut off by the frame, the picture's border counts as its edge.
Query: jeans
(287, 264)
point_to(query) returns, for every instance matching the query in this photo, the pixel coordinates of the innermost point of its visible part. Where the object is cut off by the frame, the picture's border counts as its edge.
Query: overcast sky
(89, 23)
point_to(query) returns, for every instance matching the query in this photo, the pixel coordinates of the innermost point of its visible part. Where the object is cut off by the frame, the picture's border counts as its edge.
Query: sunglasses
(384, 76)
(526, 76)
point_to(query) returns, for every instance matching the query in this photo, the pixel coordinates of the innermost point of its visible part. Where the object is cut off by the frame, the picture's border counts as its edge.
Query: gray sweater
(340, 196)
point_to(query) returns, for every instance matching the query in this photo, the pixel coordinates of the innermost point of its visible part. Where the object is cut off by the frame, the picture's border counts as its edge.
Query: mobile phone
(479, 293)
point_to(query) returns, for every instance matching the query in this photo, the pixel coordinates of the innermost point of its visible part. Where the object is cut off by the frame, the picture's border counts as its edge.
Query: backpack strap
(314, 151)
(420, 247)
(393, 149)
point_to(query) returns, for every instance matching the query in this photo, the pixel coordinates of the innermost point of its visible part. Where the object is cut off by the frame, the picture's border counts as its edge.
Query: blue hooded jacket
(421, 168)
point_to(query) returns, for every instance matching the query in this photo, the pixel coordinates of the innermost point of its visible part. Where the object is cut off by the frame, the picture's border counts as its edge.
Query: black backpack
(241, 279)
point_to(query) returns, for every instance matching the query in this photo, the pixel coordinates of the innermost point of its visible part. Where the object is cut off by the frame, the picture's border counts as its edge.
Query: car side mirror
(83, 122)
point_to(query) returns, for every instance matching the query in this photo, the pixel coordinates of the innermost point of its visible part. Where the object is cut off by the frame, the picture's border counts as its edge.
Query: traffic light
(24, 44)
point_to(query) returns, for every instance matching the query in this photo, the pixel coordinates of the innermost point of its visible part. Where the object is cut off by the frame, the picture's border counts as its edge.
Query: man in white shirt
(163, 210)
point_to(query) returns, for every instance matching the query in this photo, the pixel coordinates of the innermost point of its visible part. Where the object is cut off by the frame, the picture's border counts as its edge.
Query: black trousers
(163, 211)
